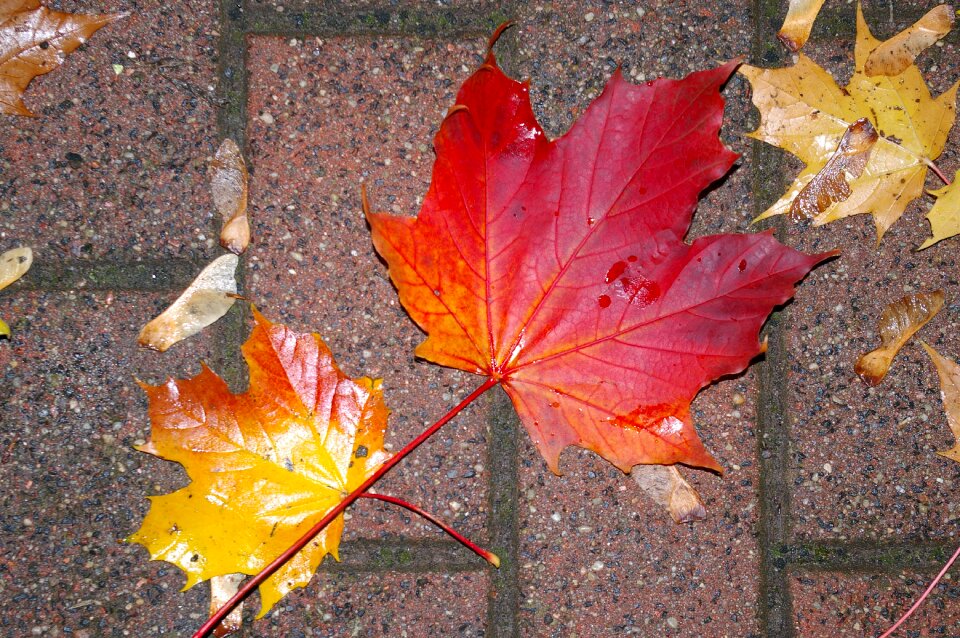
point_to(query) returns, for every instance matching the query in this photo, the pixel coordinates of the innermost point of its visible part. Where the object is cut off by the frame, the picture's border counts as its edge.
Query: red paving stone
(324, 117)
(596, 558)
(599, 559)
(116, 164)
(388, 604)
(73, 484)
(833, 604)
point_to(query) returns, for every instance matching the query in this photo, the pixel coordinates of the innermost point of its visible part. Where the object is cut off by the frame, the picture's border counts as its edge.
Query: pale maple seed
(830, 184)
(898, 322)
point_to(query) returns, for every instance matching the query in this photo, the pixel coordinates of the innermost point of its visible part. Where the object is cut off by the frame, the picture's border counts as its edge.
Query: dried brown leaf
(898, 322)
(665, 485)
(13, 264)
(228, 182)
(830, 186)
(950, 393)
(895, 55)
(207, 299)
(798, 23)
(35, 40)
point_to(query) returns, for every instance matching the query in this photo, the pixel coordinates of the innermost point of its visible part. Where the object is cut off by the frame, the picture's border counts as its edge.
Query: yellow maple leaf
(944, 216)
(805, 112)
(949, 373)
(264, 465)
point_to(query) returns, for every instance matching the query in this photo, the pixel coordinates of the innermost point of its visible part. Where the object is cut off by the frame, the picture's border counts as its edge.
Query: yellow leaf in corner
(944, 216)
(950, 393)
(264, 465)
(805, 112)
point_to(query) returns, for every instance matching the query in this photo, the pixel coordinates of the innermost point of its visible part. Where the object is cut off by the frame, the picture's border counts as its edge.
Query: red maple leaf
(559, 268)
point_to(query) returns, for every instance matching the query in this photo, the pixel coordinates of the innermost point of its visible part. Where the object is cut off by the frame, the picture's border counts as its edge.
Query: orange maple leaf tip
(559, 267)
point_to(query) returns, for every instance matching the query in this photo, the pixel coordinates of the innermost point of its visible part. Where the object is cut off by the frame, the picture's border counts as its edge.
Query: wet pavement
(833, 515)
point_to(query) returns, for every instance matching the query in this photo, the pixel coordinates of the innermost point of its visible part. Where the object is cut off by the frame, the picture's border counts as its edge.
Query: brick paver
(834, 511)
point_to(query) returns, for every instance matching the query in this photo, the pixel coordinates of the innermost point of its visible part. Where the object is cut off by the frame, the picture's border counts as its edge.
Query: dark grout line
(861, 556)
(503, 599)
(503, 458)
(774, 606)
(386, 21)
(146, 276)
(231, 123)
(404, 555)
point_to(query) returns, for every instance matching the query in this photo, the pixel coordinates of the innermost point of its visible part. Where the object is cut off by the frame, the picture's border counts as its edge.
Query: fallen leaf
(949, 373)
(264, 465)
(895, 55)
(944, 215)
(898, 322)
(14, 264)
(666, 486)
(204, 301)
(229, 185)
(804, 112)
(559, 268)
(222, 589)
(830, 184)
(799, 21)
(35, 40)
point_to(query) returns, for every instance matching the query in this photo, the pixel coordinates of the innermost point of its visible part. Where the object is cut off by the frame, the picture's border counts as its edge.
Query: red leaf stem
(267, 571)
(488, 556)
(923, 596)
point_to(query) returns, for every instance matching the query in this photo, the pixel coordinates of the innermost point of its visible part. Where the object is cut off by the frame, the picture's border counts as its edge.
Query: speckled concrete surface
(115, 165)
(599, 559)
(593, 556)
(388, 604)
(73, 486)
(832, 604)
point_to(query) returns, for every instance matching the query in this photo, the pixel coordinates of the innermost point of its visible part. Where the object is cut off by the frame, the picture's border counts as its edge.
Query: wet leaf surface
(35, 40)
(805, 112)
(264, 465)
(898, 322)
(559, 267)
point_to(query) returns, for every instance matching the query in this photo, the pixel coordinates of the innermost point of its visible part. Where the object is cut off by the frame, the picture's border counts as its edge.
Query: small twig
(923, 596)
(487, 555)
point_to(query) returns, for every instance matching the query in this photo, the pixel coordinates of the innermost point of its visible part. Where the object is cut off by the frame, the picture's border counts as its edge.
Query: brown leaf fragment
(830, 185)
(898, 322)
(222, 589)
(895, 55)
(798, 23)
(204, 301)
(228, 182)
(950, 393)
(13, 264)
(666, 486)
(35, 40)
